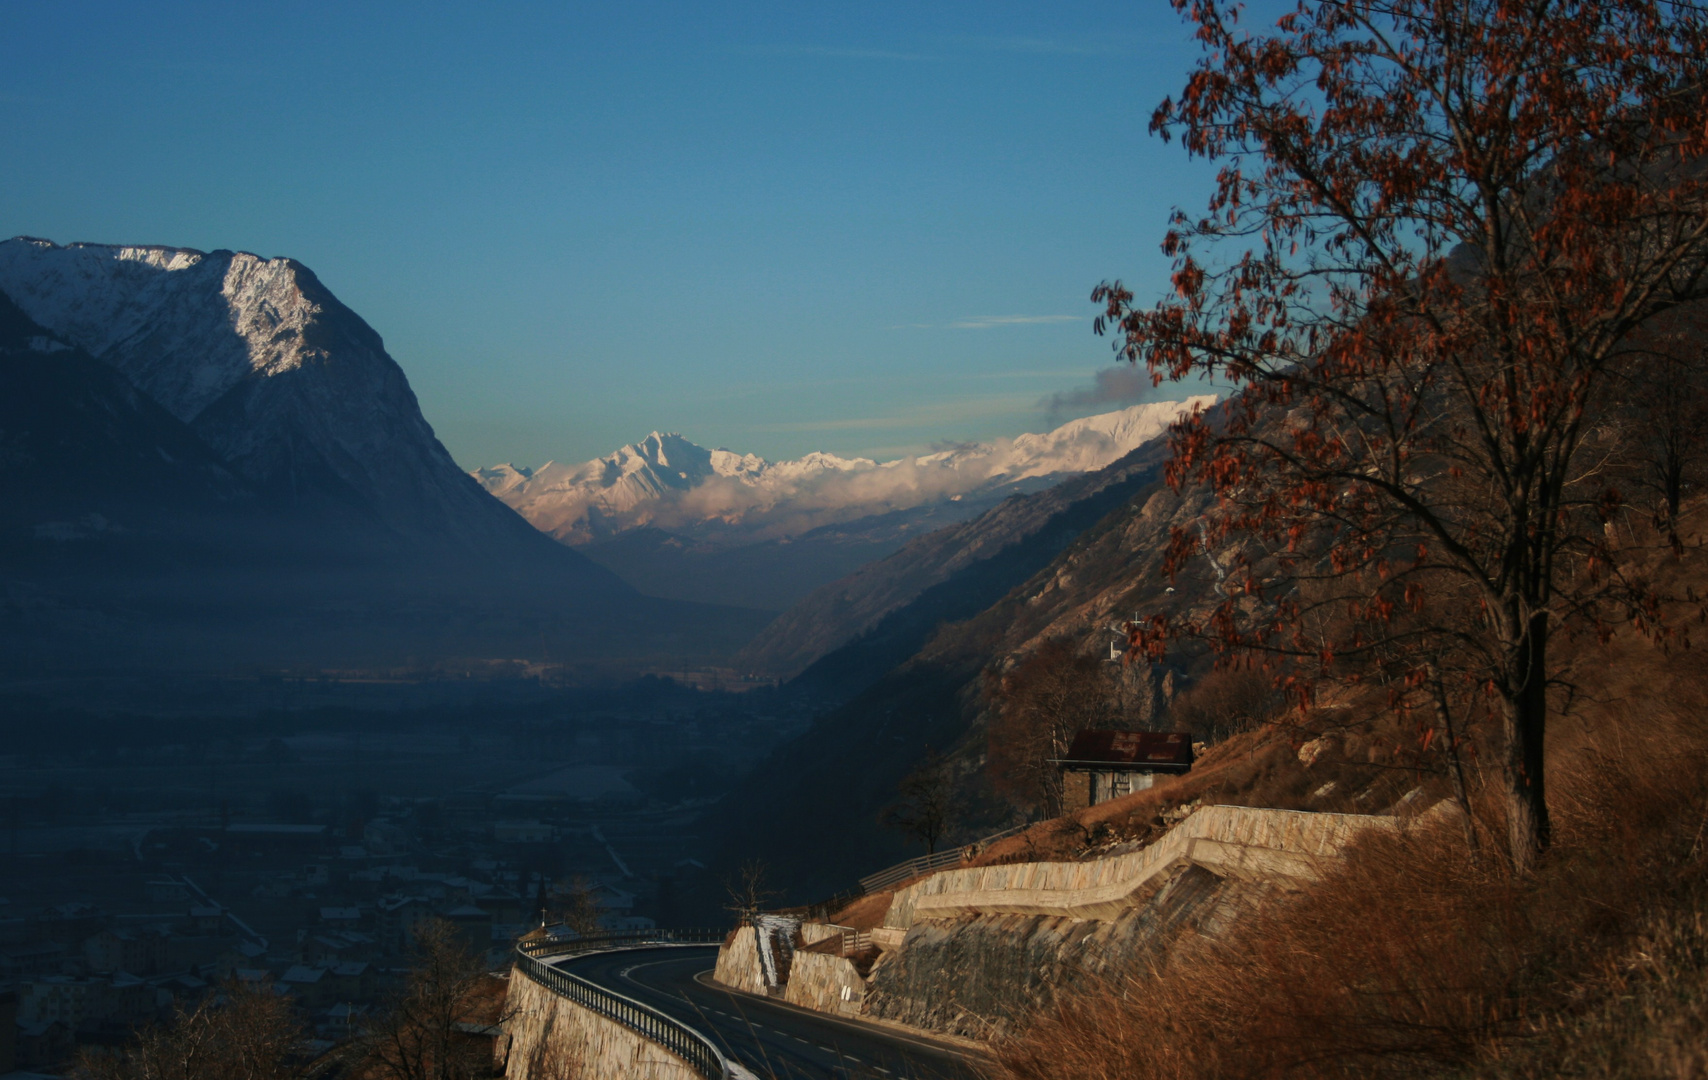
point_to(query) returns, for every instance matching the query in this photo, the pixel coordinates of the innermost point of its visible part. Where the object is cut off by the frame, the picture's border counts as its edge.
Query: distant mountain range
(667, 482)
(677, 520)
(209, 460)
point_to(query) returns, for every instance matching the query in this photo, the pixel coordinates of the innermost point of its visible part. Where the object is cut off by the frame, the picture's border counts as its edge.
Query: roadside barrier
(672, 1034)
(924, 864)
(904, 870)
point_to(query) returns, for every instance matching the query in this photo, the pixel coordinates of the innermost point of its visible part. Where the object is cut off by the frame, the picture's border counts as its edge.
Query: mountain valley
(679, 521)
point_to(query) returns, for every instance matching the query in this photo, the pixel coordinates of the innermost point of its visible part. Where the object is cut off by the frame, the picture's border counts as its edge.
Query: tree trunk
(1455, 762)
(1527, 825)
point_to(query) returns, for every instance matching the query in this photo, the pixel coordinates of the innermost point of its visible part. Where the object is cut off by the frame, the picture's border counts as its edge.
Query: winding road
(771, 1039)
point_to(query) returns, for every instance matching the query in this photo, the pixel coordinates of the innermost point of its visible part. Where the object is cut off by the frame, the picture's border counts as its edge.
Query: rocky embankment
(966, 952)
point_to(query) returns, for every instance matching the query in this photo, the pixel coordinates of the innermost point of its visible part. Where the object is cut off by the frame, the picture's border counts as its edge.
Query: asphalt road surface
(773, 1040)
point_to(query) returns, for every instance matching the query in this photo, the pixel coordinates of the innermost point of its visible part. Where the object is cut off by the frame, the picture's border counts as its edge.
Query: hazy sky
(773, 227)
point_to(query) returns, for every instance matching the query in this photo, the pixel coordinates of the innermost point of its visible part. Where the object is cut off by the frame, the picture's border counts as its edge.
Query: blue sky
(773, 227)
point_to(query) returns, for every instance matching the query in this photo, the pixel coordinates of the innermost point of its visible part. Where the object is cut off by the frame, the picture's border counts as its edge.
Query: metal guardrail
(901, 871)
(924, 864)
(680, 1039)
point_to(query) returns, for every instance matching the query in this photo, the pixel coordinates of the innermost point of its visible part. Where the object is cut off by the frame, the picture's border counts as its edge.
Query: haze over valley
(620, 541)
(680, 521)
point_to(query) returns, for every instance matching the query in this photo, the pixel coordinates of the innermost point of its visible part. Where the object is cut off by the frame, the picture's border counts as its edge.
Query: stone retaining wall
(977, 976)
(1232, 841)
(826, 982)
(552, 1038)
(968, 952)
(738, 963)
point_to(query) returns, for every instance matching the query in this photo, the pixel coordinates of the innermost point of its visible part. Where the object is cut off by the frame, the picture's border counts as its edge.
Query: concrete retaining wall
(552, 1038)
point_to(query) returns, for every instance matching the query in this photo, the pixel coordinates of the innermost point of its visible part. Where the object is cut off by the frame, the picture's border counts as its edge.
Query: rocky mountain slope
(289, 386)
(916, 678)
(1020, 535)
(211, 460)
(1061, 567)
(74, 434)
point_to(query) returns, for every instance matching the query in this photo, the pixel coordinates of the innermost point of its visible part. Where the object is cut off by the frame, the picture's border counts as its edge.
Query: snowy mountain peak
(186, 326)
(667, 481)
(283, 381)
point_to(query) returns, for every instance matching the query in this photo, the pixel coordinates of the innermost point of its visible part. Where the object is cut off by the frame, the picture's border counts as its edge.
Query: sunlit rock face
(291, 388)
(213, 461)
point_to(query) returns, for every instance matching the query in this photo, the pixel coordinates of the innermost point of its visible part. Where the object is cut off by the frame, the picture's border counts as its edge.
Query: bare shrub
(421, 1035)
(1047, 699)
(1225, 703)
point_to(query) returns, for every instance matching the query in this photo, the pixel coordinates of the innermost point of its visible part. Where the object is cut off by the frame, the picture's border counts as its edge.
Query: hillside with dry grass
(1422, 956)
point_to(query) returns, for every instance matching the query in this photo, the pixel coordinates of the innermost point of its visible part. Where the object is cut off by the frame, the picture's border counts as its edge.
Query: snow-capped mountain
(292, 389)
(668, 482)
(210, 460)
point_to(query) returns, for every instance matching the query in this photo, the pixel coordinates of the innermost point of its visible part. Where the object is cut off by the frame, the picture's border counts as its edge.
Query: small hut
(1104, 765)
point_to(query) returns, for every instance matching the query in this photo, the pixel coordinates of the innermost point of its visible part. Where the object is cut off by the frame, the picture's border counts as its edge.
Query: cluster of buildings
(298, 910)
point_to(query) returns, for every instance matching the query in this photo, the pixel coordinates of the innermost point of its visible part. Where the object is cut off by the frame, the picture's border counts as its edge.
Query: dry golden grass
(1416, 958)
(865, 913)
(1411, 959)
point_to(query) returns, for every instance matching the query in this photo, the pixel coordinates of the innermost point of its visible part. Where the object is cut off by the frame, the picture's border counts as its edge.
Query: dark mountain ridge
(1055, 563)
(211, 461)
(997, 549)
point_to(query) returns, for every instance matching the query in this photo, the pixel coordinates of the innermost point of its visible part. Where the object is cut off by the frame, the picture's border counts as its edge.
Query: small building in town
(1104, 765)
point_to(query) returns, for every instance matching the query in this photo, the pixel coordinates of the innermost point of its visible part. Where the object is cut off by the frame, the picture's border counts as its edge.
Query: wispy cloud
(1124, 385)
(988, 322)
(985, 322)
(1045, 46)
(1119, 386)
(843, 52)
(933, 415)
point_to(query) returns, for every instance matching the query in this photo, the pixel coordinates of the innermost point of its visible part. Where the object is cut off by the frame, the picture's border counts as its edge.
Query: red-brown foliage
(1438, 226)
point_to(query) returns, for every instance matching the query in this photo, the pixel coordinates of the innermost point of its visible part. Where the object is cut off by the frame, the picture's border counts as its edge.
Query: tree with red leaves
(1438, 227)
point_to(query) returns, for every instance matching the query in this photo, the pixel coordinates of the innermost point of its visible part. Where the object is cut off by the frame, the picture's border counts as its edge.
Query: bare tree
(582, 911)
(925, 806)
(1226, 702)
(419, 1036)
(1048, 698)
(1439, 231)
(243, 1033)
(749, 890)
(1665, 381)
